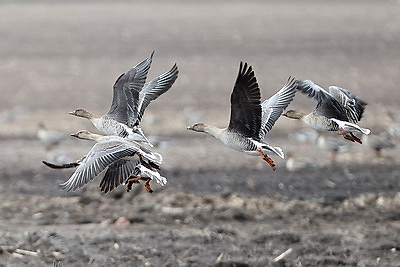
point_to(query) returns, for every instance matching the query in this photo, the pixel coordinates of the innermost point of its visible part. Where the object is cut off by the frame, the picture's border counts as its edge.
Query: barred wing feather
(273, 107)
(100, 157)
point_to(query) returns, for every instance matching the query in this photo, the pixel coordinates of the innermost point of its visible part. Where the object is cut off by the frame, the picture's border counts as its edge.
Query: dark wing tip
(245, 69)
(246, 103)
(292, 82)
(175, 69)
(61, 166)
(119, 78)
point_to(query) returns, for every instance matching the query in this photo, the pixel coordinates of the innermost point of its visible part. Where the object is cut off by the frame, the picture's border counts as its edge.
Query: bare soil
(220, 207)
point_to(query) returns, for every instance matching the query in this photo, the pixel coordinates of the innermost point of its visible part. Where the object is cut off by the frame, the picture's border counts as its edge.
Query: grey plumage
(273, 107)
(124, 105)
(153, 90)
(250, 120)
(338, 103)
(131, 96)
(337, 111)
(114, 159)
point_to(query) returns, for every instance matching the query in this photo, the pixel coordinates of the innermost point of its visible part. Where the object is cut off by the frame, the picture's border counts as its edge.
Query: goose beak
(189, 128)
(71, 112)
(74, 135)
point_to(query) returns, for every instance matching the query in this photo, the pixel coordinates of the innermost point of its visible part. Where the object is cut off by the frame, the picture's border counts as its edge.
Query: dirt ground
(220, 207)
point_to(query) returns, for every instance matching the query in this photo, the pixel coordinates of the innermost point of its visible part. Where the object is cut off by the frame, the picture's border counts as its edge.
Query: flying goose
(305, 136)
(333, 145)
(295, 164)
(50, 138)
(116, 160)
(250, 119)
(131, 96)
(379, 142)
(337, 111)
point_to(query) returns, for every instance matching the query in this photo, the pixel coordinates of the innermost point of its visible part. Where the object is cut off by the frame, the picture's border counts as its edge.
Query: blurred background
(220, 207)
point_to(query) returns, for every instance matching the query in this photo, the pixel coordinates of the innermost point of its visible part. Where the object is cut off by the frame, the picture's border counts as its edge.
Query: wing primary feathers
(245, 103)
(273, 107)
(153, 90)
(126, 91)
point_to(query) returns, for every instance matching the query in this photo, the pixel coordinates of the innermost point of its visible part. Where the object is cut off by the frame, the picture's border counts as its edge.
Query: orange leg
(130, 181)
(346, 136)
(355, 138)
(267, 159)
(147, 186)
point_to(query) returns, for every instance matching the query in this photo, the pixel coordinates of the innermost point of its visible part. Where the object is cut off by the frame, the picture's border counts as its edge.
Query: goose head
(86, 135)
(197, 127)
(82, 113)
(293, 114)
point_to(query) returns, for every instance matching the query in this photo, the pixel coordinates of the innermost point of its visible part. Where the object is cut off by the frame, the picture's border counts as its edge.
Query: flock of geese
(121, 155)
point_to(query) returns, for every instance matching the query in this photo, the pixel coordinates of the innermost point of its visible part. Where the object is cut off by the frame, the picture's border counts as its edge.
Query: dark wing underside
(117, 173)
(246, 104)
(353, 105)
(331, 108)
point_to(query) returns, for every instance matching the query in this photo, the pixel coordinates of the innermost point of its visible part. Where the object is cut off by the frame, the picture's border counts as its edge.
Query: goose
(131, 96)
(379, 142)
(50, 138)
(305, 136)
(337, 111)
(393, 129)
(333, 145)
(294, 164)
(250, 119)
(117, 160)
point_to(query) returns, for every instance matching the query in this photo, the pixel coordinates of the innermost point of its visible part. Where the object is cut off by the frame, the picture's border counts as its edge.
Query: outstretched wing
(246, 104)
(99, 158)
(273, 107)
(313, 90)
(126, 91)
(117, 173)
(152, 91)
(327, 105)
(353, 106)
(348, 94)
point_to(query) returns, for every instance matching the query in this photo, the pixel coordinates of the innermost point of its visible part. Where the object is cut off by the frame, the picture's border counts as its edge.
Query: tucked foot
(267, 159)
(130, 181)
(355, 138)
(347, 137)
(147, 186)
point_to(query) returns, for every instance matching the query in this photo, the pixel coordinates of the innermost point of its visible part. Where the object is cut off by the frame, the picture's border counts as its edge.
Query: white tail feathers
(365, 131)
(154, 175)
(277, 150)
(351, 127)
